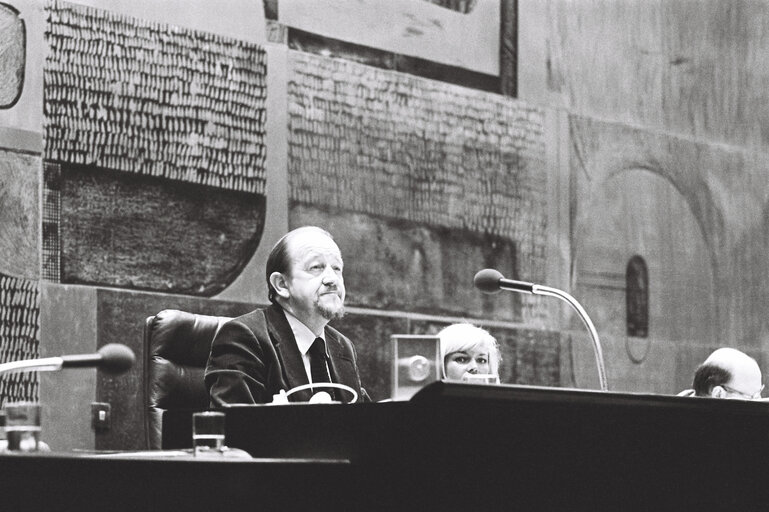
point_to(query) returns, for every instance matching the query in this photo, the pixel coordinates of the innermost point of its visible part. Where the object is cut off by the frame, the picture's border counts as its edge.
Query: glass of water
(480, 378)
(22, 426)
(207, 432)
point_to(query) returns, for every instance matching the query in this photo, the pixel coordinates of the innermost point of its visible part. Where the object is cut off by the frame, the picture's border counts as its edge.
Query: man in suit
(728, 373)
(288, 344)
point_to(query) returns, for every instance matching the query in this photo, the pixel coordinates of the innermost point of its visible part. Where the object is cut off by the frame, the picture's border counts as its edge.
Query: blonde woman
(468, 350)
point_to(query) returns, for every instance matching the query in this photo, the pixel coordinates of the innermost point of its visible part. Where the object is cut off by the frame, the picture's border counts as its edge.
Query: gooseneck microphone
(490, 280)
(111, 358)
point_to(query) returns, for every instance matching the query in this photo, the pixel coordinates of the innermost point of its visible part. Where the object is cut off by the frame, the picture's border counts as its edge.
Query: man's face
(745, 383)
(314, 279)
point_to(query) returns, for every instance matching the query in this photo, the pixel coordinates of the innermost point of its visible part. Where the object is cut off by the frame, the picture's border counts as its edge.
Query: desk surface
(80, 482)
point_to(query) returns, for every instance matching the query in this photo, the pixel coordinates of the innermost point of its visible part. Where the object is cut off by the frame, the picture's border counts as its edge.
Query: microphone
(112, 358)
(490, 280)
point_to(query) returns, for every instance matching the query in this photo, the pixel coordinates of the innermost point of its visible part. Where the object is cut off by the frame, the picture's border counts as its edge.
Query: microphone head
(116, 358)
(487, 280)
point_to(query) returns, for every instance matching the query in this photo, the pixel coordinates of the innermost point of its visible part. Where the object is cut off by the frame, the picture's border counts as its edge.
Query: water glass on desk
(480, 378)
(22, 426)
(207, 432)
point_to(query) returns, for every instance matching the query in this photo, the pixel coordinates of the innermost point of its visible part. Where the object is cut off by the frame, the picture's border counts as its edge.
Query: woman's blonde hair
(463, 337)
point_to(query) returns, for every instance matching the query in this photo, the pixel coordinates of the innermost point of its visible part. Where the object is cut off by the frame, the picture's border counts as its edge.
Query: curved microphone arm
(492, 281)
(554, 292)
(48, 364)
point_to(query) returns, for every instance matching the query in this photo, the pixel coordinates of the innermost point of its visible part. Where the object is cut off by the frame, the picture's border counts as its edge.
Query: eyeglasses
(748, 396)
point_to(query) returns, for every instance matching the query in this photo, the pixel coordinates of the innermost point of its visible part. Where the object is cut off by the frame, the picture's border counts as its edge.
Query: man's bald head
(728, 373)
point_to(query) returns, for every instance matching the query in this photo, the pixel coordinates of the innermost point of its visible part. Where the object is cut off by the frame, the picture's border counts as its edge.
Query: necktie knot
(318, 348)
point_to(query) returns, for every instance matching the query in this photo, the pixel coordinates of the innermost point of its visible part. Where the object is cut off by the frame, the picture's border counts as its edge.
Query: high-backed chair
(176, 348)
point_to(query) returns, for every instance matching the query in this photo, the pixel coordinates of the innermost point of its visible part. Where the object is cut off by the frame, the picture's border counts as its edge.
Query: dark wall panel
(141, 232)
(401, 265)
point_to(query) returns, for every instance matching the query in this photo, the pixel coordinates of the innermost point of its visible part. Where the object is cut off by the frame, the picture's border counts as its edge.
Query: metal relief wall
(138, 96)
(19, 335)
(126, 96)
(422, 153)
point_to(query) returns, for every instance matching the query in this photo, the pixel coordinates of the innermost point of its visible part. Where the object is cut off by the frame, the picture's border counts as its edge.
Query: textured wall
(665, 138)
(142, 232)
(19, 336)
(136, 96)
(19, 270)
(688, 67)
(466, 166)
(125, 96)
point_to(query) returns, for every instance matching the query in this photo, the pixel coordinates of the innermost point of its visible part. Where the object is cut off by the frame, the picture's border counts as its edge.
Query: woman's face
(474, 360)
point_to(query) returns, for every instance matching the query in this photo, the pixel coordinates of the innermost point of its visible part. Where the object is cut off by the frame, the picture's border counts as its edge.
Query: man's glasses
(748, 396)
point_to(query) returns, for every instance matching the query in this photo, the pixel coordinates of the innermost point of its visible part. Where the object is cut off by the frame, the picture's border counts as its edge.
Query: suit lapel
(341, 367)
(294, 373)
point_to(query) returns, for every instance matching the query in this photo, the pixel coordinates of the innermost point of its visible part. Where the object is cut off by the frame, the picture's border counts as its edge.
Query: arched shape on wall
(13, 55)
(642, 212)
(637, 297)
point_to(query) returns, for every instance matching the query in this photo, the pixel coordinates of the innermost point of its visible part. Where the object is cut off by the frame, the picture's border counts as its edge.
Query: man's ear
(717, 392)
(278, 282)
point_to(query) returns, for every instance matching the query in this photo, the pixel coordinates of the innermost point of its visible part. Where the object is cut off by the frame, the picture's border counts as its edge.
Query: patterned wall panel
(19, 335)
(383, 143)
(138, 96)
(155, 153)
(51, 218)
(426, 153)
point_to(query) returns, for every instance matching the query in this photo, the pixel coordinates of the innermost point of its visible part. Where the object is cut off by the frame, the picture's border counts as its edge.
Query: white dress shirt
(304, 339)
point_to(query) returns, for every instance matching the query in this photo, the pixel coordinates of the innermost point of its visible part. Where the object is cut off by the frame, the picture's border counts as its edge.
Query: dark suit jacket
(255, 356)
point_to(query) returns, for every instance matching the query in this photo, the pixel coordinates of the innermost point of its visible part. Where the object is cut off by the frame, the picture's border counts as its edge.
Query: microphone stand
(48, 364)
(492, 281)
(538, 289)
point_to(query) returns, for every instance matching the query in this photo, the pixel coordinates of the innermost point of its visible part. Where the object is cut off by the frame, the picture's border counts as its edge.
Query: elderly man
(728, 373)
(288, 344)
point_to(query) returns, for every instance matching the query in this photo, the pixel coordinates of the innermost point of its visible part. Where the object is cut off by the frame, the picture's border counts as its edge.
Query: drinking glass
(207, 432)
(480, 378)
(22, 426)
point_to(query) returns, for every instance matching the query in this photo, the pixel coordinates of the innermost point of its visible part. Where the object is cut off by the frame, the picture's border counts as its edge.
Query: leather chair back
(176, 348)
